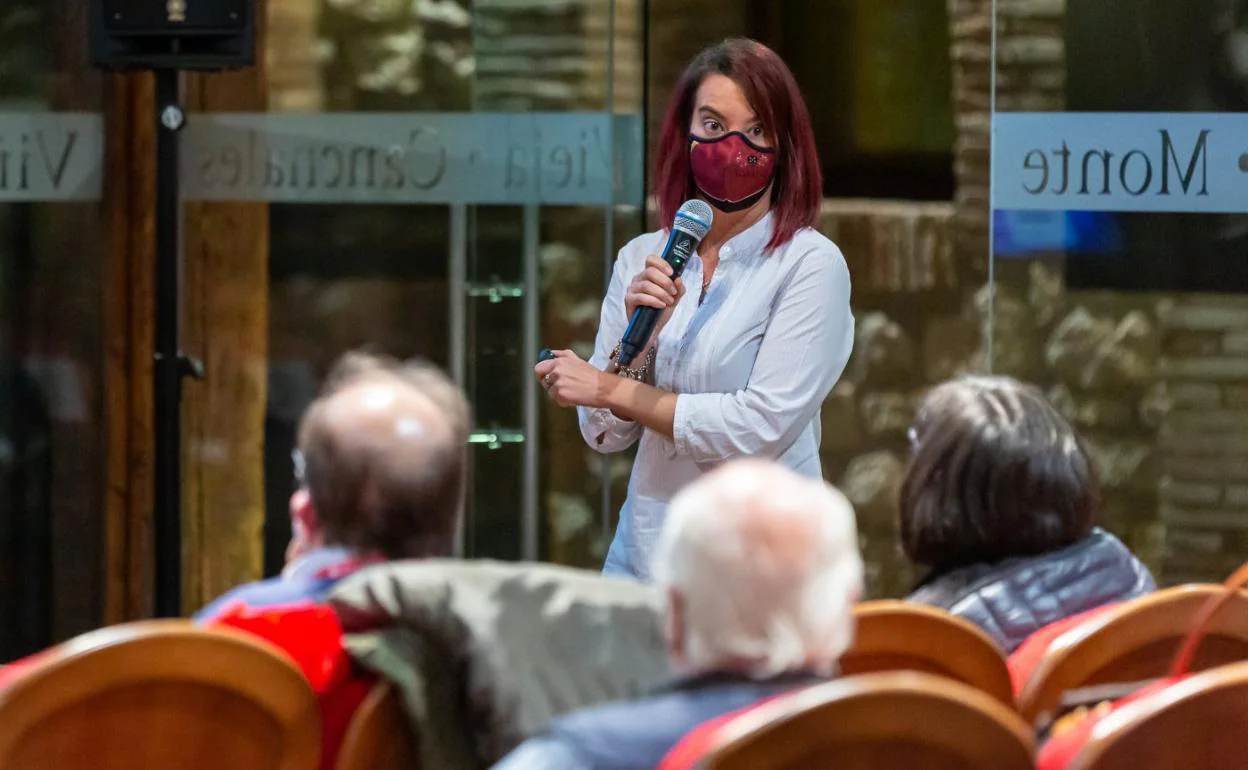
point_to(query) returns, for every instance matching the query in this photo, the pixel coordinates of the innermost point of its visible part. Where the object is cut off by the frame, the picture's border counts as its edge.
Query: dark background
(1168, 57)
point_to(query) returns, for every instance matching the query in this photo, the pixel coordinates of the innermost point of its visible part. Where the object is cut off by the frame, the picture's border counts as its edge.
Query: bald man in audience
(380, 466)
(760, 570)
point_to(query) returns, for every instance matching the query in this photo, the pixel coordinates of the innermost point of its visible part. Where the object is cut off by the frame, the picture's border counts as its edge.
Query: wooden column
(225, 325)
(129, 269)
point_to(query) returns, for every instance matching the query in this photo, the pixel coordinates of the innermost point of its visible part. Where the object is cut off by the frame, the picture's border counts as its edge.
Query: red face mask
(730, 171)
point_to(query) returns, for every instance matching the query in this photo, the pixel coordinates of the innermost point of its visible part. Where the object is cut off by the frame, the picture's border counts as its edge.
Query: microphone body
(692, 223)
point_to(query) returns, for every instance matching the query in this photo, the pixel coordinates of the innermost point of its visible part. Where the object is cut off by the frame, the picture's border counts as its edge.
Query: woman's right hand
(654, 287)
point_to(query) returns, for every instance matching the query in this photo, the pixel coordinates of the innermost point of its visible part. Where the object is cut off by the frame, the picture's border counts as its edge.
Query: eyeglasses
(301, 468)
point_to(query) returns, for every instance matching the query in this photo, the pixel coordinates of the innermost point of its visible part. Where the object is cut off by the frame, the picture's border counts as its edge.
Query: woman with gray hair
(760, 572)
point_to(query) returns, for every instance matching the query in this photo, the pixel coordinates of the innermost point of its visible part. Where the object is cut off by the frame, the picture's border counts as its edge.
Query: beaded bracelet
(638, 373)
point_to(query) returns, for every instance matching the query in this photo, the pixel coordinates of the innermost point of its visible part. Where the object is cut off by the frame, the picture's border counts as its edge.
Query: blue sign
(1027, 233)
(1154, 162)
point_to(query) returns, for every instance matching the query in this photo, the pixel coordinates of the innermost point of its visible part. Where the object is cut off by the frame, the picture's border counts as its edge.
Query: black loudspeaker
(173, 34)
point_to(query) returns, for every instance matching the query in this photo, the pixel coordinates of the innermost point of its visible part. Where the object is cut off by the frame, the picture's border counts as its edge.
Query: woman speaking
(739, 366)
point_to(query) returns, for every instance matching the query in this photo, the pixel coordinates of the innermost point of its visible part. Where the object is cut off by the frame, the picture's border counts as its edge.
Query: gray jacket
(1017, 597)
(486, 654)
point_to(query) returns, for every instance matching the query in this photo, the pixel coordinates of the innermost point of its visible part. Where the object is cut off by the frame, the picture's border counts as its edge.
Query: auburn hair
(772, 92)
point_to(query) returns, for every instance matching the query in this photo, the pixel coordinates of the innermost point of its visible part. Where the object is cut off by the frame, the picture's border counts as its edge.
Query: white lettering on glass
(552, 158)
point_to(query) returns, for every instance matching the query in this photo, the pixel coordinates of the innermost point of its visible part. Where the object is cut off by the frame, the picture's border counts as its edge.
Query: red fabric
(694, 747)
(1029, 654)
(348, 567)
(312, 636)
(730, 169)
(1062, 749)
(13, 671)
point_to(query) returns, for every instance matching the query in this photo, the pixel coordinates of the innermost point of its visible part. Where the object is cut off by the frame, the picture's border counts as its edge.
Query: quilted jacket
(1017, 597)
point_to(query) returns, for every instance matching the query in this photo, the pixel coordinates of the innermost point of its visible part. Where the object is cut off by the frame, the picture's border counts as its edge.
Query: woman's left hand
(571, 381)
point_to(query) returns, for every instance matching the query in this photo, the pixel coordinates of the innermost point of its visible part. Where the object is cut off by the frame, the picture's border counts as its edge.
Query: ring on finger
(548, 379)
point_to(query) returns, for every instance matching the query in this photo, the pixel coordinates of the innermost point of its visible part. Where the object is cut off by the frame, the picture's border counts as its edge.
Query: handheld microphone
(693, 222)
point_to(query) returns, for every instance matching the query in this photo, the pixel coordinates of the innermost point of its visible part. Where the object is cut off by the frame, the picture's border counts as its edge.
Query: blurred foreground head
(761, 570)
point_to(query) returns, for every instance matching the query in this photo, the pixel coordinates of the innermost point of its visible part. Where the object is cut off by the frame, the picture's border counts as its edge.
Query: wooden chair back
(898, 719)
(1135, 642)
(1198, 723)
(380, 737)
(901, 636)
(161, 694)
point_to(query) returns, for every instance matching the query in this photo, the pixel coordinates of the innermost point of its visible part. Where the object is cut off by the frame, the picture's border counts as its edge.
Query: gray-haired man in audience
(760, 569)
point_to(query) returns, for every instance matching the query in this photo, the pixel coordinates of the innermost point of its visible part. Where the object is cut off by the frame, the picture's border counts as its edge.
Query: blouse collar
(750, 241)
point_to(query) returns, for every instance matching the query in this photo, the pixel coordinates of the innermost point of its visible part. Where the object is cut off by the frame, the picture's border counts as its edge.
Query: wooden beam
(225, 312)
(129, 211)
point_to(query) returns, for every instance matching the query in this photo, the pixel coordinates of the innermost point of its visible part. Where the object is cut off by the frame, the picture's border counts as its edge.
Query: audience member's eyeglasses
(301, 468)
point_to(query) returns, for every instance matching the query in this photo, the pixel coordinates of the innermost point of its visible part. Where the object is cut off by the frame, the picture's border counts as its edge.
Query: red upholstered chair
(380, 737)
(1196, 722)
(896, 720)
(1134, 642)
(901, 636)
(160, 694)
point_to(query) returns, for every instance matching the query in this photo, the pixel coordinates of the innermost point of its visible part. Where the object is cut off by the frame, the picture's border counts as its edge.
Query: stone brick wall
(1203, 437)
(912, 330)
(293, 60)
(532, 55)
(1031, 75)
(615, 34)
(894, 246)
(679, 29)
(400, 56)
(516, 55)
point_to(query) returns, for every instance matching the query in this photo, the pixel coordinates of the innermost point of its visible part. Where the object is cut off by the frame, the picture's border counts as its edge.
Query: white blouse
(752, 364)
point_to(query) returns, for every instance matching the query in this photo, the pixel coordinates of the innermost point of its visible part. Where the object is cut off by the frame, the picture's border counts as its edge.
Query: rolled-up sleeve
(803, 353)
(603, 431)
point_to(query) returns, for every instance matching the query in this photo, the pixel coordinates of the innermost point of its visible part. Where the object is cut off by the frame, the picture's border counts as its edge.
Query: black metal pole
(168, 368)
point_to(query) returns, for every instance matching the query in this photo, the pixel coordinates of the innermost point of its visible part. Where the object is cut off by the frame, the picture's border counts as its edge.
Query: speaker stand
(170, 366)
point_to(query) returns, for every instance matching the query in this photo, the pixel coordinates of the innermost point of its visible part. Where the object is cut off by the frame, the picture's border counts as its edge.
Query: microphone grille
(694, 217)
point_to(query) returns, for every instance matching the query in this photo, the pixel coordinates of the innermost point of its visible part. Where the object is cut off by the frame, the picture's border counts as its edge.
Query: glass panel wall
(486, 263)
(1125, 311)
(51, 346)
(1120, 227)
